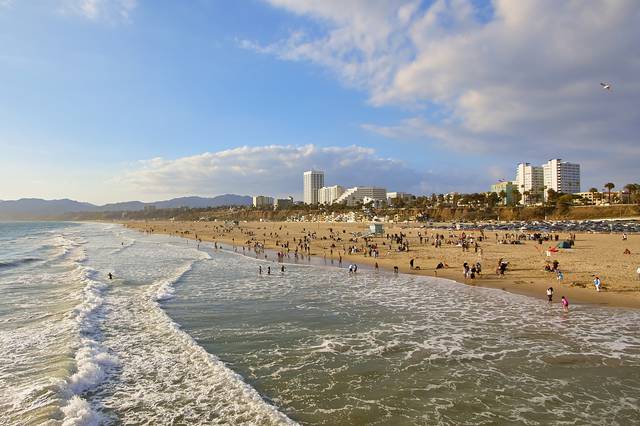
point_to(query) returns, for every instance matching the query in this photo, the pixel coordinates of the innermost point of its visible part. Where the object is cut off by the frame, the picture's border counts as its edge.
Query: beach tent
(564, 245)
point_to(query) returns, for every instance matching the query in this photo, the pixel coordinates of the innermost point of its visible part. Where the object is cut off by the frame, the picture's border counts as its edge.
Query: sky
(115, 100)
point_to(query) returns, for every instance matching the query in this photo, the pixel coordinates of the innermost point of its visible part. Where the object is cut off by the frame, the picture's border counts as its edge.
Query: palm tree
(631, 188)
(609, 186)
(593, 192)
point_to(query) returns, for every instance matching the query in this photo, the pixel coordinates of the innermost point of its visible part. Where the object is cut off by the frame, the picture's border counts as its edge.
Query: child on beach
(597, 283)
(550, 294)
(565, 304)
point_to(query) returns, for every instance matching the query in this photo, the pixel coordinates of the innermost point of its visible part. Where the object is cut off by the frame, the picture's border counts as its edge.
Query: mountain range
(30, 208)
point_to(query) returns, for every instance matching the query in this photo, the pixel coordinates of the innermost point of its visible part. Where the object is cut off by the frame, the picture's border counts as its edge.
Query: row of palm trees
(632, 189)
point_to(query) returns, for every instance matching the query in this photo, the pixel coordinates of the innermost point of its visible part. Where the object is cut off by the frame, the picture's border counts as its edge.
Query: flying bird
(606, 86)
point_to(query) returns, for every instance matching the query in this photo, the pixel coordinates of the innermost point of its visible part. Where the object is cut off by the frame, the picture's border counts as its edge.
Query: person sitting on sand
(626, 251)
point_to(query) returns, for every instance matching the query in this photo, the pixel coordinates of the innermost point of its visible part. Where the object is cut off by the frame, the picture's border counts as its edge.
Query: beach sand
(592, 254)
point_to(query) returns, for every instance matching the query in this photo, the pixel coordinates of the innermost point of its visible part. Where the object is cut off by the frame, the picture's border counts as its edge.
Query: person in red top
(565, 304)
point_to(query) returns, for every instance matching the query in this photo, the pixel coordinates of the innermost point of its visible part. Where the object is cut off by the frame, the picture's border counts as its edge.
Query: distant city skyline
(116, 100)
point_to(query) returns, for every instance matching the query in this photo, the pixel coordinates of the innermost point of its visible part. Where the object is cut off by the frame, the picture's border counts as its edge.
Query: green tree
(609, 186)
(492, 199)
(593, 192)
(552, 196)
(631, 189)
(516, 197)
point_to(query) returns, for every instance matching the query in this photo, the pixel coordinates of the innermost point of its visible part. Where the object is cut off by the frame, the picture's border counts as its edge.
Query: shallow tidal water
(195, 335)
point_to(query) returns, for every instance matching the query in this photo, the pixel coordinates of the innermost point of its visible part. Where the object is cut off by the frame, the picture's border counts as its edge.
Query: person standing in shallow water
(550, 294)
(565, 304)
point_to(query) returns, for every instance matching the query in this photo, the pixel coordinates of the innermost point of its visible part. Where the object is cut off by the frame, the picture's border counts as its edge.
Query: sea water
(187, 334)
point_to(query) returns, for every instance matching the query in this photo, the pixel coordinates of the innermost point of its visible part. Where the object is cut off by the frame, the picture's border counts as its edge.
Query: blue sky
(120, 99)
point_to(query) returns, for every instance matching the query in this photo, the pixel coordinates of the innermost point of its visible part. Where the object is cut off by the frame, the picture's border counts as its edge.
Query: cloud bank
(272, 170)
(99, 10)
(518, 78)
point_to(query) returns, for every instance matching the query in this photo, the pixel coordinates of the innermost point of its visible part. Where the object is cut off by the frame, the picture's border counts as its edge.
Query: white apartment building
(329, 194)
(313, 180)
(400, 195)
(353, 196)
(561, 176)
(262, 201)
(529, 179)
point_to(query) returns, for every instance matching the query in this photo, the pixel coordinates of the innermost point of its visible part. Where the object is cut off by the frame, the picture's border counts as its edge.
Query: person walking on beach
(550, 294)
(597, 283)
(565, 304)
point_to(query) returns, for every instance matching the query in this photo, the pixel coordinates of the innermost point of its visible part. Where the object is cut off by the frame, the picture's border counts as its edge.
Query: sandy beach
(592, 255)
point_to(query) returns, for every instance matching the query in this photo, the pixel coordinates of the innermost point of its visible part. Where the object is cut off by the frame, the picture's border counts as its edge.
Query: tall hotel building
(561, 176)
(313, 180)
(529, 179)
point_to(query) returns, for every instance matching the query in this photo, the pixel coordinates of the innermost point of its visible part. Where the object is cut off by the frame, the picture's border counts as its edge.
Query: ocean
(195, 335)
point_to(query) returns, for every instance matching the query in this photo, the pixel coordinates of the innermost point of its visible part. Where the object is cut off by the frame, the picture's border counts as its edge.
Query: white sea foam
(92, 359)
(165, 288)
(78, 412)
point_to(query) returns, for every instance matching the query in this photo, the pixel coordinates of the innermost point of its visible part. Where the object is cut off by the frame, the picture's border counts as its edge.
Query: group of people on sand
(470, 271)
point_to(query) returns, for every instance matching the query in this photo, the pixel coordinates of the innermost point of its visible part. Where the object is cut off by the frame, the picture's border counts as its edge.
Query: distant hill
(34, 208)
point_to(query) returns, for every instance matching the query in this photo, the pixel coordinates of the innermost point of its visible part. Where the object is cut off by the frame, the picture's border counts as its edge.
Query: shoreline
(518, 280)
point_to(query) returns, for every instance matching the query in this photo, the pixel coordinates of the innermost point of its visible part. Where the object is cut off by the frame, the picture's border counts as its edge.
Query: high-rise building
(530, 183)
(313, 180)
(328, 194)
(561, 176)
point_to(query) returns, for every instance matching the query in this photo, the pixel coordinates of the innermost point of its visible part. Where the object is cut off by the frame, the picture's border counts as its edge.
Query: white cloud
(100, 10)
(272, 170)
(521, 80)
